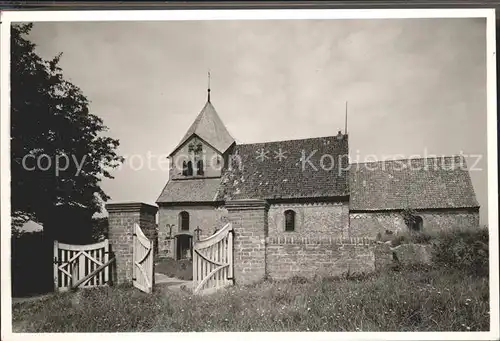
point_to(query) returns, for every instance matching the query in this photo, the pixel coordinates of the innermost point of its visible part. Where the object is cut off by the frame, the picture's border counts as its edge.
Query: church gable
(209, 127)
(196, 162)
(195, 170)
(195, 158)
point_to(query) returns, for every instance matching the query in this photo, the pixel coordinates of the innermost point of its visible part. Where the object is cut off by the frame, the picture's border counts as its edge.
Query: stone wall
(206, 217)
(450, 219)
(304, 257)
(413, 254)
(313, 219)
(122, 217)
(249, 219)
(318, 246)
(370, 224)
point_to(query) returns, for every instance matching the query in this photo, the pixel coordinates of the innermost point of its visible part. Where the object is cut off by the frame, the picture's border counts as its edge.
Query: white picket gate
(213, 261)
(143, 262)
(81, 265)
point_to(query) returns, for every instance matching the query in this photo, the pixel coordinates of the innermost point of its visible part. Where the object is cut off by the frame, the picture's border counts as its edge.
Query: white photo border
(9, 17)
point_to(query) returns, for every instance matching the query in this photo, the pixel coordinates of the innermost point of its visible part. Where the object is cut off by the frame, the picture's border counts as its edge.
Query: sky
(415, 87)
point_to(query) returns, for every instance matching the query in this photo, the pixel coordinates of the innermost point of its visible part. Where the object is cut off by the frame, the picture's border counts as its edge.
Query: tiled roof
(191, 190)
(442, 182)
(210, 128)
(288, 177)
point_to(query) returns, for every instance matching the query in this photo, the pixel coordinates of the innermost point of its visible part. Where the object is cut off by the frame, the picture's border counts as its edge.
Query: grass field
(453, 295)
(409, 300)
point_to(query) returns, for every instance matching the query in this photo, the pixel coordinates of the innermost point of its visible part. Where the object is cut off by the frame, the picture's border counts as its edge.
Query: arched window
(184, 221)
(289, 221)
(189, 169)
(199, 167)
(417, 224)
(184, 168)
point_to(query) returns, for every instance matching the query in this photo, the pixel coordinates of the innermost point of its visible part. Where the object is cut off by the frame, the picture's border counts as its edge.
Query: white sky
(414, 86)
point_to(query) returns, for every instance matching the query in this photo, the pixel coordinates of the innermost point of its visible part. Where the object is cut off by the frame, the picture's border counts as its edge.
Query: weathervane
(208, 85)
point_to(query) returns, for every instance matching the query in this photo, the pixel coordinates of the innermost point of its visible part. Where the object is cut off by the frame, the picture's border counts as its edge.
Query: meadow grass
(425, 299)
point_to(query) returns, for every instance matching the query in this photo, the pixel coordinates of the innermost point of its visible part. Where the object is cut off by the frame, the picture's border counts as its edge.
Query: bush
(421, 238)
(465, 249)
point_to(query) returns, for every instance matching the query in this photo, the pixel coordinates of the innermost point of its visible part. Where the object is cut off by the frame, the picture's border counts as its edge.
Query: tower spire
(345, 130)
(208, 91)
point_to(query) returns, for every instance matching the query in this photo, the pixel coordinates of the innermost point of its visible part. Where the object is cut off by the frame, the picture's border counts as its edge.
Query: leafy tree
(51, 122)
(100, 228)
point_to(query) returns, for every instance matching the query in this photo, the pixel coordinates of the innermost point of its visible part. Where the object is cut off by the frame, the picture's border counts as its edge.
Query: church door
(184, 247)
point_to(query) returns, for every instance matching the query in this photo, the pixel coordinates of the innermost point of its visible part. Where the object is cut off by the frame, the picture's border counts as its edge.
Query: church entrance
(184, 246)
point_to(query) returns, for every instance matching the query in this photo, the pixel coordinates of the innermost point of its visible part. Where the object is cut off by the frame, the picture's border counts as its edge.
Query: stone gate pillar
(250, 226)
(122, 217)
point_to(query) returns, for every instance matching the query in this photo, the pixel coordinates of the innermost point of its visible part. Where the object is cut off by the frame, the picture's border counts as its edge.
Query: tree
(59, 151)
(100, 228)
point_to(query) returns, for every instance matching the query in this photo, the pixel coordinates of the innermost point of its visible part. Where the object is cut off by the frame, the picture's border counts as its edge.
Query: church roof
(259, 171)
(210, 128)
(190, 190)
(428, 183)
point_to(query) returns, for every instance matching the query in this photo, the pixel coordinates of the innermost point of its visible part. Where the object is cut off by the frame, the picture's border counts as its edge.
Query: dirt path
(171, 283)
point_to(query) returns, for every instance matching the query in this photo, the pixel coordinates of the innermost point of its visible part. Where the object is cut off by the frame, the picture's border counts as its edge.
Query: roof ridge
(290, 140)
(417, 158)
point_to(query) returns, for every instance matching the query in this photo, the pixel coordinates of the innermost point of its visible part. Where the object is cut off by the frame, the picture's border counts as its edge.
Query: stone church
(312, 190)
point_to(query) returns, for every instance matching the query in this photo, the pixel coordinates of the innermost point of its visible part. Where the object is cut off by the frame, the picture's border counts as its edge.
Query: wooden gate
(81, 265)
(213, 261)
(142, 273)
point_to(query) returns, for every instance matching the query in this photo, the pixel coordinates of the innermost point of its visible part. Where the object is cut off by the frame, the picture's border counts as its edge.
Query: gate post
(122, 217)
(250, 226)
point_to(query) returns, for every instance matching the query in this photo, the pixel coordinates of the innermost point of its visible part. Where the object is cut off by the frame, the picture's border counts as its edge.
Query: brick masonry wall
(122, 218)
(323, 258)
(207, 218)
(442, 220)
(249, 219)
(316, 219)
(147, 222)
(369, 224)
(120, 237)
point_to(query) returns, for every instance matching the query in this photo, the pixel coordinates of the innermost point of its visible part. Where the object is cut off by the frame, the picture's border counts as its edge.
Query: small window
(289, 221)
(184, 168)
(199, 167)
(417, 224)
(184, 221)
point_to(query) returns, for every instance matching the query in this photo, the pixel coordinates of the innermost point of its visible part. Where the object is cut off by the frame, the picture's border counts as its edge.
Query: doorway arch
(183, 246)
